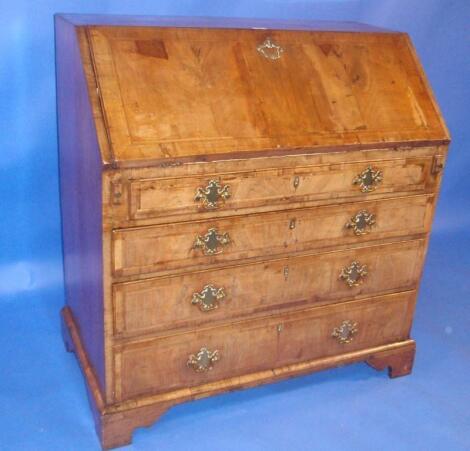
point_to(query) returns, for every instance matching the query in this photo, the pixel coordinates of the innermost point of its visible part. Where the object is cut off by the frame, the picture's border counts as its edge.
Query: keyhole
(292, 224)
(296, 181)
(279, 328)
(286, 273)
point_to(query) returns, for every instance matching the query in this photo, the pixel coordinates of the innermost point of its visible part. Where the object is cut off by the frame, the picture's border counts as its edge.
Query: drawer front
(195, 299)
(207, 243)
(180, 360)
(209, 194)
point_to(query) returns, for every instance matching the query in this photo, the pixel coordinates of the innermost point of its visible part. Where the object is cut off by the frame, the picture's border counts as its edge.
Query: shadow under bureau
(242, 201)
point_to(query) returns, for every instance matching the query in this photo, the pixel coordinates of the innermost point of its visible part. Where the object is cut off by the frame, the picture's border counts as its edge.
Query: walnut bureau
(242, 201)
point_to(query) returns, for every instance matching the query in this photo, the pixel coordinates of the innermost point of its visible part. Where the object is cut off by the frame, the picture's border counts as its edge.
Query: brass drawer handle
(270, 50)
(203, 360)
(212, 194)
(345, 332)
(210, 242)
(354, 274)
(369, 179)
(361, 222)
(208, 298)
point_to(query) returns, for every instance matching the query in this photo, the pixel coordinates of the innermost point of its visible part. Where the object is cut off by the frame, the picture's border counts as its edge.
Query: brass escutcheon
(270, 50)
(345, 332)
(208, 298)
(210, 242)
(354, 274)
(203, 360)
(212, 194)
(296, 181)
(361, 222)
(369, 179)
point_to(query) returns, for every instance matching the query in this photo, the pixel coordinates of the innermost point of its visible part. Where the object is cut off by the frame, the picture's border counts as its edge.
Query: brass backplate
(354, 274)
(208, 298)
(212, 194)
(211, 243)
(361, 223)
(345, 332)
(203, 361)
(369, 179)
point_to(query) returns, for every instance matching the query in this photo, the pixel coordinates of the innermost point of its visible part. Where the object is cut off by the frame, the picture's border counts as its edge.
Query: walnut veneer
(242, 201)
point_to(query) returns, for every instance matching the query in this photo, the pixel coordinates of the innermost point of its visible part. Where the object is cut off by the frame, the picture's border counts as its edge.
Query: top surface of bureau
(182, 94)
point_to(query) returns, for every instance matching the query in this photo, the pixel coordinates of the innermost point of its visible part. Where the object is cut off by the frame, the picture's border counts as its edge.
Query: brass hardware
(292, 224)
(361, 222)
(210, 242)
(208, 298)
(345, 332)
(116, 192)
(270, 50)
(369, 179)
(203, 360)
(280, 328)
(296, 181)
(354, 274)
(211, 194)
(437, 164)
(286, 272)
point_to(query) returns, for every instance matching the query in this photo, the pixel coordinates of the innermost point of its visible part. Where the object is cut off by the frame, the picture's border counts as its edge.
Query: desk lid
(183, 93)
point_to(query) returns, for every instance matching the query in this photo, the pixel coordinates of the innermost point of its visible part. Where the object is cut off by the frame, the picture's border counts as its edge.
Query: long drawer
(195, 299)
(149, 198)
(201, 244)
(206, 355)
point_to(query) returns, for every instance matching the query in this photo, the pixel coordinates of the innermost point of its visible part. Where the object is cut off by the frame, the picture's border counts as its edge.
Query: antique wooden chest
(242, 201)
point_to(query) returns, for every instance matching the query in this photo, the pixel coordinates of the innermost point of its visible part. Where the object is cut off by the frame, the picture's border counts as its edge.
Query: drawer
(200, 244)
(177, 361)
(196, 299)
(234, 192)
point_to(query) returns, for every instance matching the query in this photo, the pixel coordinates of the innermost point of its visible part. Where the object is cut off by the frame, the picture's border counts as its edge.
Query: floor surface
(43, 403)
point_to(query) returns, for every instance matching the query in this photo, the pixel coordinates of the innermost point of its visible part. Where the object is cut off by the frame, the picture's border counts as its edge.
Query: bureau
(242, 201)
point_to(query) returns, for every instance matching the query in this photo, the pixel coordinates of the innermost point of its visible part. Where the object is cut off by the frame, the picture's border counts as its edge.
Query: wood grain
(149, 197)
(150, 110)
(397, 364)
(74, 343)
(164, 304)
(171, 247)
(219, 22)
(150, 367)
(80, 186)
(128, 211)
(116, 423)
(334, 96)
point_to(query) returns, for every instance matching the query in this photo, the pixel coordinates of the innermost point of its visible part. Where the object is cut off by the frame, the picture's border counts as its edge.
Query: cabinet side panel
(80, 186)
